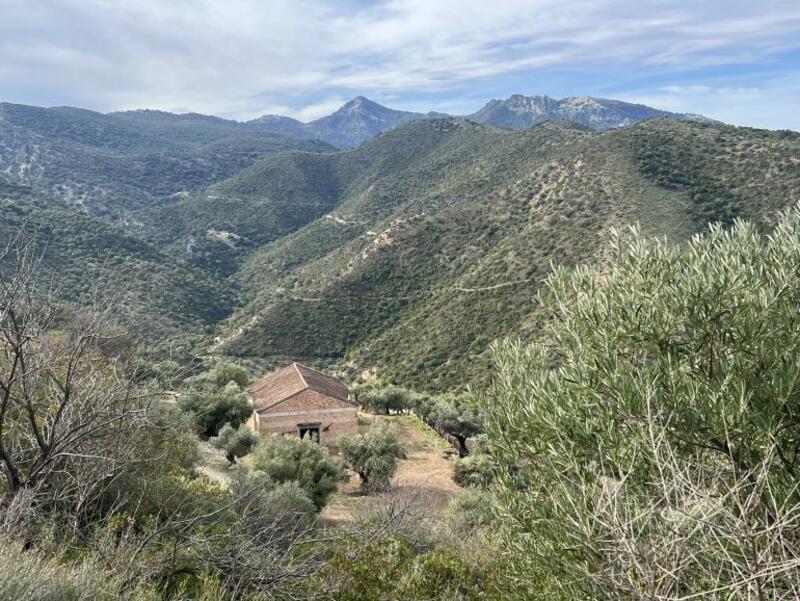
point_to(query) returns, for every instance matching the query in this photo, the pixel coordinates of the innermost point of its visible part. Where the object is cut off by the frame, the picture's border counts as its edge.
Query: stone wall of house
(335, 418)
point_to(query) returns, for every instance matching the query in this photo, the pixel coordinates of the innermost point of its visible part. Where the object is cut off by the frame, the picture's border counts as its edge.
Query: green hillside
(439, 242)
(110, 165)
(166, 306)
(407, 255)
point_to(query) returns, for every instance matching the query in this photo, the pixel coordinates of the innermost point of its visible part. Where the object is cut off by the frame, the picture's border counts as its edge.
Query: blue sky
(734, 61)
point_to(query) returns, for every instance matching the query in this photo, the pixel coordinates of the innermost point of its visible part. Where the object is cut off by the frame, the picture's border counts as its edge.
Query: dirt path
(426, 470)
(214, 465)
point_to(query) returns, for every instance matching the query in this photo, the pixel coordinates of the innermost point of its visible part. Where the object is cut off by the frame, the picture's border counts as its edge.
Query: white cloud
(772, 104)
(243, 58)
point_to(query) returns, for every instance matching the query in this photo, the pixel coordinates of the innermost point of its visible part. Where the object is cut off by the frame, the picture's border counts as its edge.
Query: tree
(226, 371)
(293, 459)
(459, 419)
(214, 407)
(234, 442)
(649, 445)
(372, 455)
(76, 430)
(384, 399)
(423, 405)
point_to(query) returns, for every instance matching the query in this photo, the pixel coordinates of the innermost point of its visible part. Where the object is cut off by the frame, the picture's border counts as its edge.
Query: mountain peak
(362, 103)
(519, 112)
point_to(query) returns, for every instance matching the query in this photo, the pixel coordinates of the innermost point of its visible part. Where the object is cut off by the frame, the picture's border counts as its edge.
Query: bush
(224, 372)
(372, 455)
(235, 442)
(30, 576)
(214, 407)
(475, 470)
(648, 446)
(291, 459)
(470, 511)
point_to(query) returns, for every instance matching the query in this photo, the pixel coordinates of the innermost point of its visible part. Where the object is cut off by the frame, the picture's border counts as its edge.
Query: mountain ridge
(361, 119)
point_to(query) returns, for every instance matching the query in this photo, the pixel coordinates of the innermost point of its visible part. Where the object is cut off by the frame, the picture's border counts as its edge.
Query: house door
(309, 430)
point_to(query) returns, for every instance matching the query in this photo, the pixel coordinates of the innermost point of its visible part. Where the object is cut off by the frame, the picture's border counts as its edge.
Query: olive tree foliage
(383, 399)
(373, 455)
(301, 460)
(649, 446)
(459, 418)
(214, 406)
(223, 373)
(235, 442)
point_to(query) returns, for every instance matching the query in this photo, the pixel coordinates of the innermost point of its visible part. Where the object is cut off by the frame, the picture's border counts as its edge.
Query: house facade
(301, 401)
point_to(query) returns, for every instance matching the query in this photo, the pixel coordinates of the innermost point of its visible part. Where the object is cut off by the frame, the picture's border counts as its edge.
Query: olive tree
(372, 455)
(234, 442)
(292, 459)
(458, 418)
(213, 407)
(649, 443)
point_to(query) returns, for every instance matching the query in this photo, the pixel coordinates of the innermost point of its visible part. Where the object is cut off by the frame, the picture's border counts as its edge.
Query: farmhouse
(305, 402)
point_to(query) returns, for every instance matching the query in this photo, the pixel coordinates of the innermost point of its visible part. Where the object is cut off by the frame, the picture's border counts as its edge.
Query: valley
(407, 255)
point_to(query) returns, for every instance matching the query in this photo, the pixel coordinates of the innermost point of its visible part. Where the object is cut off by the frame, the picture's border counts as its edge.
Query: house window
(309, 430)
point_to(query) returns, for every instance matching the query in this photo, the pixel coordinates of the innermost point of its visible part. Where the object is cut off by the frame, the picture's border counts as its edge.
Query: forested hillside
(437, 235)
(407, 255)
(110, 165)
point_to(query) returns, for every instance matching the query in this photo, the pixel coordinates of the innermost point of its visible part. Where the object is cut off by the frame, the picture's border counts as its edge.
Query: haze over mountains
(409, 253)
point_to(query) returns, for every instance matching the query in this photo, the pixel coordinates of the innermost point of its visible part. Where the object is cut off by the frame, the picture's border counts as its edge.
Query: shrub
(475, 470)
(235, 442)
(649, 445)
(470, 511)
(224, 372)
(214, 407)
(372, 455)
(291, 459)
(30, 576)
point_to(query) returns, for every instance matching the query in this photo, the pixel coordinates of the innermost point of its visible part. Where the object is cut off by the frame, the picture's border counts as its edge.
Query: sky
(738, 62)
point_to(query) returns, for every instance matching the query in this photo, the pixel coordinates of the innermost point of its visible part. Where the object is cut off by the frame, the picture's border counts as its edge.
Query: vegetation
(301, 460)
(112, 165)
(641, 430)
(372, 455)
(214, 407)
(649, 447)
(409, 254)
(383, 399)
(234, 442)
(458, 418)
(439, 232)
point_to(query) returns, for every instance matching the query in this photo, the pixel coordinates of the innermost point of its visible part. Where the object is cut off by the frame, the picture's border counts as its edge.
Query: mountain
(355, 122)
(111, 165)
(165, 304)
(428, 242)
(407, 255)
(520, 112)
(361, 119)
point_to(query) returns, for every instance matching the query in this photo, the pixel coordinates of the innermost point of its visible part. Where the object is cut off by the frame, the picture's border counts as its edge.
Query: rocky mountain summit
(362, 119)
(521, 112)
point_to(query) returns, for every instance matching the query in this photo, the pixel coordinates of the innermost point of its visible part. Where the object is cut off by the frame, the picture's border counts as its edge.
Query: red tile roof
(284, 383)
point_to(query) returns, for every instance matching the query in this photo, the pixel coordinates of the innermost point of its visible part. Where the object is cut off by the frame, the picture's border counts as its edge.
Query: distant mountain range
(362, 119)
(355, 122)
